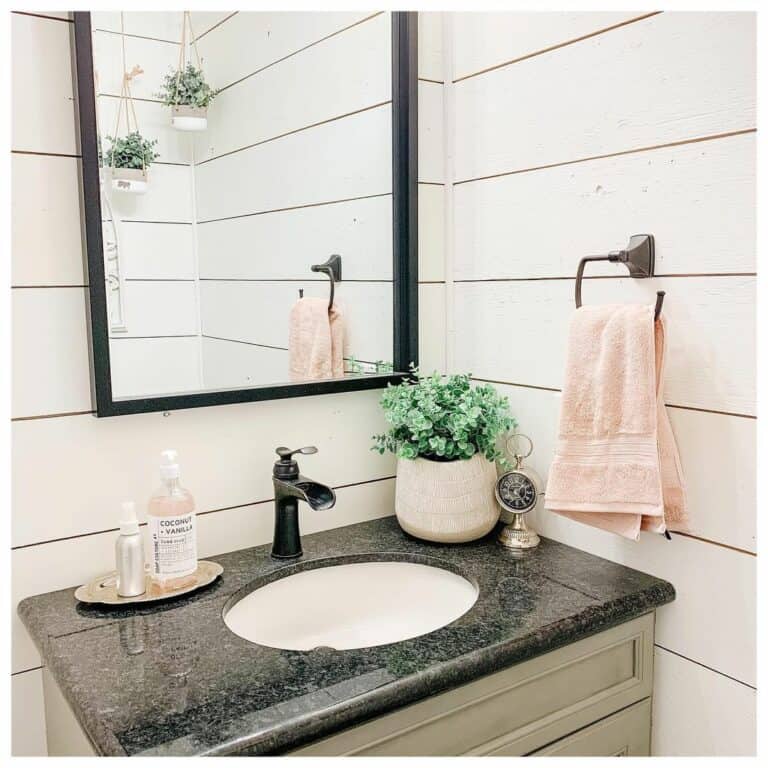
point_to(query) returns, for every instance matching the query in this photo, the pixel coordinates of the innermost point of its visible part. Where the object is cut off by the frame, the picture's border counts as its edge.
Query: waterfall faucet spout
(290, 488)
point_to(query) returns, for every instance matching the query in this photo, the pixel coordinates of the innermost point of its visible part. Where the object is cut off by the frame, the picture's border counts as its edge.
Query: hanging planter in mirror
(129, 156)
(185, 89)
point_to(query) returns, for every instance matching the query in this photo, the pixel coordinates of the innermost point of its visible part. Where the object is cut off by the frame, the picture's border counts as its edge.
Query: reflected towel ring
(332, 268)
(639, 257)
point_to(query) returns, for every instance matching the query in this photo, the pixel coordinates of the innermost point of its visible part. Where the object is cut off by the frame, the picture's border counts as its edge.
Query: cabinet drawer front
(519, 709)
(625, 734)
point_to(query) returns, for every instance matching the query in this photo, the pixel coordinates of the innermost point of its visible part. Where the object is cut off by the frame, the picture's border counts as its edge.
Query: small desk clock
(517, 492)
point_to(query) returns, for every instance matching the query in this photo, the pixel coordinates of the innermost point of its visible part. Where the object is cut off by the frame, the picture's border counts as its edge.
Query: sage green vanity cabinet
(591, 697)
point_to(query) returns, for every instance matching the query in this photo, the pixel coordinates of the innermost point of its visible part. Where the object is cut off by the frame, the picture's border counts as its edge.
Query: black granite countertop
(174, 680)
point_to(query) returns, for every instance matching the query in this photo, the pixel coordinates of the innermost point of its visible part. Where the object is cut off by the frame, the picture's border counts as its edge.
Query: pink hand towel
(616, 464)
(315, 340)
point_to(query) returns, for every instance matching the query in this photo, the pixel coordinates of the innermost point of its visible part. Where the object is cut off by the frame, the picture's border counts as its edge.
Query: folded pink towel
(616, 464)
(315, 340)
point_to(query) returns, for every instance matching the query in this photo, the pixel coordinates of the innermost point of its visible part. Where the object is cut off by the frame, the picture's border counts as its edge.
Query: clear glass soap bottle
(172, 530)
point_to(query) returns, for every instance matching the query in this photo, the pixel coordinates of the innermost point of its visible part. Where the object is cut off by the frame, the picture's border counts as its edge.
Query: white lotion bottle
(172, 530)
(129, 555)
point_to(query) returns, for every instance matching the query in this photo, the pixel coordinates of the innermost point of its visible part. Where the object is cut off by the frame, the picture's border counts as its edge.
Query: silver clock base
(517, 535)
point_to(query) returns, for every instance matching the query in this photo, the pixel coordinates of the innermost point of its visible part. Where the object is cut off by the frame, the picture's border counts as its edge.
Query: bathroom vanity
(555, 657)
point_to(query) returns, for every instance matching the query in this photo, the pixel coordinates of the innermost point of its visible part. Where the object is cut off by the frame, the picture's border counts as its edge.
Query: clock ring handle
(513, 445)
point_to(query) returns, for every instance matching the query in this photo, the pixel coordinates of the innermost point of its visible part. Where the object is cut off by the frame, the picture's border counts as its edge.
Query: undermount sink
(352, 605)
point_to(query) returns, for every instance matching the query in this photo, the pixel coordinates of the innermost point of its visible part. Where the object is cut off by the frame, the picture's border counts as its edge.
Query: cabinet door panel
(625, 734)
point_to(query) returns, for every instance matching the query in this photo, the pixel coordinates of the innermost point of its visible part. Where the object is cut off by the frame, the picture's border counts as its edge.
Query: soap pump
(129, 553)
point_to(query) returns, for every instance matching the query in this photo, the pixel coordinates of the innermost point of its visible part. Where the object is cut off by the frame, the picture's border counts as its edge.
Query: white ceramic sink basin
(355, 605)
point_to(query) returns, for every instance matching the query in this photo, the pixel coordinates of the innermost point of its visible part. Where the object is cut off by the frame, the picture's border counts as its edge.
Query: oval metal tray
(104, 589)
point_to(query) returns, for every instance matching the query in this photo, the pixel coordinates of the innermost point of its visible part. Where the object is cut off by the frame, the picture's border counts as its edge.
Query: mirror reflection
(246, 197)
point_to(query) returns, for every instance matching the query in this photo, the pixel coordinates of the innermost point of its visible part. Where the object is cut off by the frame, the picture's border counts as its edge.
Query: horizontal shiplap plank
(161, 25)
(258, 312)
(483, 40)
(156, 251)
(431, 233)
(250, 41)
(285, 244)
(720, 511)
(431, 45)
(46, 241)
(697, 712)
(670, 77)
(62, 15)
(431, 152)
(698, 200)
(204, 21)
(154, 121)
(155, 57)
(150, 367)
(432, 328)
(68, 563)
(223, 463)
(710, 333)
(537, 412)
(42, 95)
(346, 73)
(50, 366)
(168, 197)
(232, 365)
(28, 715)
(159, 308)
(715, 586)
(340, 160)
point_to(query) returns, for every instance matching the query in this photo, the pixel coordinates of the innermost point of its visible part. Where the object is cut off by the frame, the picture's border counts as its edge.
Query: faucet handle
(287, 468)
(285, 454)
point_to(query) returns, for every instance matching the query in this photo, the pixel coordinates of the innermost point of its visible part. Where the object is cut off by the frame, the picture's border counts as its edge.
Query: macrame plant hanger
(126, 101)
(184, 59)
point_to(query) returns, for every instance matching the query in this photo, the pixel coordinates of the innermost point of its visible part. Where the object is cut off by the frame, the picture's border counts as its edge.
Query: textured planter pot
(133, 180)
(186, 118)
(446, 501)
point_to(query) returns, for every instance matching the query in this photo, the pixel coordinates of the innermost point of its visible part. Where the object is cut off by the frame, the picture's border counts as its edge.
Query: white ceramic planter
(446, 501)
(186, 118)
(133, 180)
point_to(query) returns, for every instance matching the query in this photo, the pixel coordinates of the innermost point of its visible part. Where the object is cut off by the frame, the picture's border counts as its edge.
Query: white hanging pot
(187, 118)
(446, 501)
(131, 180)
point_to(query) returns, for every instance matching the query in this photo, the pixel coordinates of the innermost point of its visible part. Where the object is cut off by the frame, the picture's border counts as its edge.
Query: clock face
(516, 491)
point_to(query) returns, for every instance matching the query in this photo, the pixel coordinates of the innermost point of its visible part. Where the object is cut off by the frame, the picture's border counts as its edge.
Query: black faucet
(290, 487)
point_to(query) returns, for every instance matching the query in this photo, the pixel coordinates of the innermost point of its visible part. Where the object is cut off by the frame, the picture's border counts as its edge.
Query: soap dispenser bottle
(172, 530)
(129, 555)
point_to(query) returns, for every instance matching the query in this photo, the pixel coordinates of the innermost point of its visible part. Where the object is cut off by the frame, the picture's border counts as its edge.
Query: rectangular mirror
(250, 198)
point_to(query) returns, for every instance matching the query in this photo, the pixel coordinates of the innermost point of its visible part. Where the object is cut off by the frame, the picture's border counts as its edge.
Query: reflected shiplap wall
(159, 351)
(70, 470)
(299, 142)
(572, 132)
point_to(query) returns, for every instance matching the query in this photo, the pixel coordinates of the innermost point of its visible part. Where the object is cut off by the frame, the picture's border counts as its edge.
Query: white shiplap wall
(573, 131)
(63, 528)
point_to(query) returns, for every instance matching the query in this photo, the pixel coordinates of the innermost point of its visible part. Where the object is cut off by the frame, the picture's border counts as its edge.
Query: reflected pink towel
(315, 340)
(616, 464)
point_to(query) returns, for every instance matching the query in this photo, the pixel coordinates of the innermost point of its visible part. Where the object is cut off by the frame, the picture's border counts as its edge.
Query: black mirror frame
(405, 240)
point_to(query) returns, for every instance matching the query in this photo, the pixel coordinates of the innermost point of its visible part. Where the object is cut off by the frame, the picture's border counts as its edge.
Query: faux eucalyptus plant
(186, 87)
(444, 419)
(130, 151)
